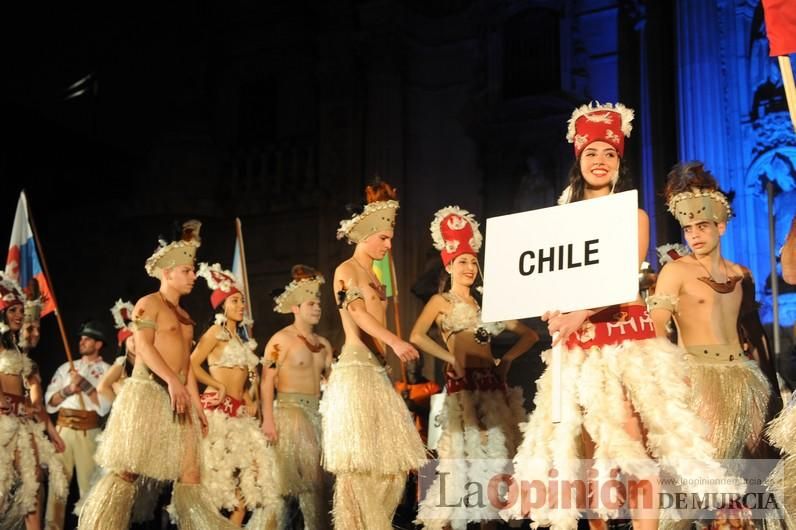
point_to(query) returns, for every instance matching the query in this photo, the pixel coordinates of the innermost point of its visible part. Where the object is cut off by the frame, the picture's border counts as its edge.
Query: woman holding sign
(480, 430)
(624, 391)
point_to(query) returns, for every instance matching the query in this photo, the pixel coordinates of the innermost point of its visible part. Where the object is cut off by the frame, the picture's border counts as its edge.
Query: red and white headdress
(223, 282)
(122, 320)
(455, 232)
(595, 122)
(10, 292)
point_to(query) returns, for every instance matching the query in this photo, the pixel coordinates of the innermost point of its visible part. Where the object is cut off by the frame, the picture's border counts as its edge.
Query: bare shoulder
(148, 306)
(438, 302)
(643, 217)
(325, 342)
(737, 269)
(345, 270)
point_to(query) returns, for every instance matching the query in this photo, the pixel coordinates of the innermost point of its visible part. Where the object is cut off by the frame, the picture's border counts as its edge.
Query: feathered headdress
(455, 232)
(306, 285)
(181, 251)
(122, 320)
(10, 292)
(378, 214)
(692, 194)
(222, 282)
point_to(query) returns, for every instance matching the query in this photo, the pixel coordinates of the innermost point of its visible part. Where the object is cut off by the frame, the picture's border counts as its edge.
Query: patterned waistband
(287, 399)
(483, 379)
(358, 355)
(717, 353)
(16, 405)
(230, 406)
(613, 325)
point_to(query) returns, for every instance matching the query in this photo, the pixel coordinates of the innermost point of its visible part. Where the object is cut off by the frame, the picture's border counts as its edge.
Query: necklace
(314, 348)
(374, 283)
(725, 287)
(183, 319)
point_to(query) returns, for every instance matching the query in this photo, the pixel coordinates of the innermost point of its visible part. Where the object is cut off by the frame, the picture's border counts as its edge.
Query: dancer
(615, 378)
(369, 441)
(237, 464)
(25, 449)
(154, 427)
(296, 361)
(480, 430)
(701, 292)
(111, 383)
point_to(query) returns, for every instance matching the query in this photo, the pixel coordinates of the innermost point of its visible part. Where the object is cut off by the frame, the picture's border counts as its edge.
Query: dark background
(280, 113)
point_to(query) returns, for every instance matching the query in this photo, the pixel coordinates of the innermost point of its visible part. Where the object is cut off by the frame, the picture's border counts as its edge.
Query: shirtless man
(296, 359)
(369, 441)
(702, 292)
(153, 430)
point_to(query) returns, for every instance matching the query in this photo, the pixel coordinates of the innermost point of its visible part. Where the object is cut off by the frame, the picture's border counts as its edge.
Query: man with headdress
(154, 428)
(702, 292)
(369, 441)
(296, 360)
(72, 393)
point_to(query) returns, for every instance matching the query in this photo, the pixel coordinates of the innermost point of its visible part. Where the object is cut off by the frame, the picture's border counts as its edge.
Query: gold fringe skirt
(143, 436)
(366, 425)
(731, 394)
(298, 448)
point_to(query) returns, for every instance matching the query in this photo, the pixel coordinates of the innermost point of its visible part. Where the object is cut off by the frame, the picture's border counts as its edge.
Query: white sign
(570, 257)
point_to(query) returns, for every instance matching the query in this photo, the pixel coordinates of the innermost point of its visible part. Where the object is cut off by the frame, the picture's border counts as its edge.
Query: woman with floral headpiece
(480, 430)
(237, 465)
(24, 448)
(624, 391)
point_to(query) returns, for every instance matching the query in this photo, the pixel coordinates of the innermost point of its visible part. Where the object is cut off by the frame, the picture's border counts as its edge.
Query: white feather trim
(119, 321)
(625, 113)
(436, 234)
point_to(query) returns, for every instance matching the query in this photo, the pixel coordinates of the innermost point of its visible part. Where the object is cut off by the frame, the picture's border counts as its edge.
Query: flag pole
(396, 309)
(47, 276)
(790, 87)
(244, 272)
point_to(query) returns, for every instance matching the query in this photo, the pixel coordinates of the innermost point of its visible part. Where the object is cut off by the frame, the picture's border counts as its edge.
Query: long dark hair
(578, 183)
(9, 338)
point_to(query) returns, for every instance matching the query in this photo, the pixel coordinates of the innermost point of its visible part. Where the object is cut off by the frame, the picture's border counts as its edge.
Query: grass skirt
(782, 433)
(298, 448)
(732, 398)
(366, 425)
(142, 435)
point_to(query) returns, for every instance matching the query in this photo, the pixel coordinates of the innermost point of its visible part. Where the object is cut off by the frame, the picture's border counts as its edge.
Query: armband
(663, 301)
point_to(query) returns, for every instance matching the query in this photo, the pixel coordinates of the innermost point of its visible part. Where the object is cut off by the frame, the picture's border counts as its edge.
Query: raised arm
(419, 335)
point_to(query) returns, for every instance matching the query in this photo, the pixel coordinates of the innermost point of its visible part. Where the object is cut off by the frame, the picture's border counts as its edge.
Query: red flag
(781, 26)
(22, 263)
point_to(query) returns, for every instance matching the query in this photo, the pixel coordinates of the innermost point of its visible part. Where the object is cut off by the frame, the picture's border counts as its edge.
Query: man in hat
(702, 291)
(369, 440)
(296, 360)
(72, 393)
(154, 427)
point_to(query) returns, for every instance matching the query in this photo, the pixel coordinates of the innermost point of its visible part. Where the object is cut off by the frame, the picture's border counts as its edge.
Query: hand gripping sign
(570, 257)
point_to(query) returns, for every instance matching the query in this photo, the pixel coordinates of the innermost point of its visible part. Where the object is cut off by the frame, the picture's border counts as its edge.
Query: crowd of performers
(263, 431)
